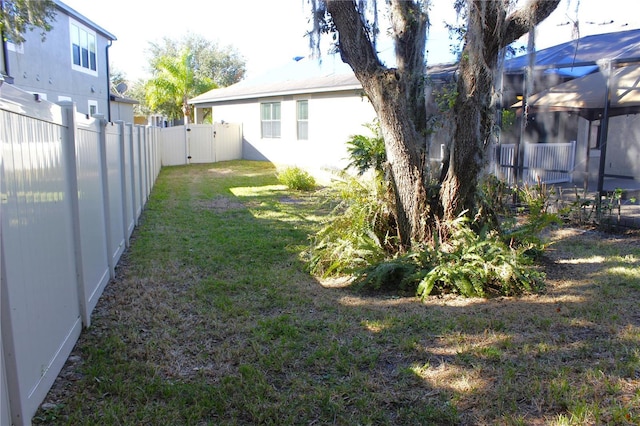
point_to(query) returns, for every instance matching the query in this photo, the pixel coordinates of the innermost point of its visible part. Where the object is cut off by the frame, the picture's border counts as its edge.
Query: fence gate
(201, 143)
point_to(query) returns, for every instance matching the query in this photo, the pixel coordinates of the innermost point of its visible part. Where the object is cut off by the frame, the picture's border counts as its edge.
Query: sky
(270, 33)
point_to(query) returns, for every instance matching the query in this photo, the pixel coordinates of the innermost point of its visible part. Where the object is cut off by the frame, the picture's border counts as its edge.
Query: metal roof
(579, 56)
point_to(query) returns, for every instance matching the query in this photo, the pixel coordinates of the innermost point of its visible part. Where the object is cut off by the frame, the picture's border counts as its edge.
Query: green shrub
(536, 201)
(479, 264)
(297, 179)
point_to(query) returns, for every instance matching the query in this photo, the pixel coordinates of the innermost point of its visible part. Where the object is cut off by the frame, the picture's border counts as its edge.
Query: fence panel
(504, 165)
(114, 165)
(228, 141)
(40, 295)
(173, 144)
(544, 162)
(92, 231)
(135, 181)
(548, 162)
(201, 143)
(71, 190)
(129, 173)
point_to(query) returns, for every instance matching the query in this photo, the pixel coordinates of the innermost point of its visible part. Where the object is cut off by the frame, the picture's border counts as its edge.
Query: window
(93, 108)
(303, 119)
(83, 49)
(270, 119)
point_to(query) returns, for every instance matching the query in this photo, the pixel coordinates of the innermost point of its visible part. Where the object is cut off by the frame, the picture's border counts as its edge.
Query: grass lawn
(212, 320)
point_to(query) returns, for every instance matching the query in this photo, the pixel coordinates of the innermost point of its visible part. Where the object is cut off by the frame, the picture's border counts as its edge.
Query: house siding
(333, 118)
(46, 67)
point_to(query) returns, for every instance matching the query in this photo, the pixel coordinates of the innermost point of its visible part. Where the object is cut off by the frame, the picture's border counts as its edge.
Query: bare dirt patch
(218, 204)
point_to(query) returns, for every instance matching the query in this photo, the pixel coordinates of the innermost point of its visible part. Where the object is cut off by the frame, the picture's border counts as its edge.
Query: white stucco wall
(333, 118)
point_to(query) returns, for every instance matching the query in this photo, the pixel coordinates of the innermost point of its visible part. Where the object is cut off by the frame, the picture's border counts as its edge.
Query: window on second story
(84, 49)
(270, 120)
(303, 119)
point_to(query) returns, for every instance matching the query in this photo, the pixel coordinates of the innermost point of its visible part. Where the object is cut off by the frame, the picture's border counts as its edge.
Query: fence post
(11, 383)
(69, 154)
(140, 174)
(572, 160)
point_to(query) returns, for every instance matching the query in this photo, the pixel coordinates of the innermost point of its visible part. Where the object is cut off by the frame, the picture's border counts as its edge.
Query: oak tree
(398, 96)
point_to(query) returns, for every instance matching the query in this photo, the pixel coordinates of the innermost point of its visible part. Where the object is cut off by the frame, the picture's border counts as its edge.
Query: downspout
(5, 50)
(106, 50)
(5, 53)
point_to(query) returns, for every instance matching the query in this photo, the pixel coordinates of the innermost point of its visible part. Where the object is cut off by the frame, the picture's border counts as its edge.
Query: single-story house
(301, 114)
(122, 108)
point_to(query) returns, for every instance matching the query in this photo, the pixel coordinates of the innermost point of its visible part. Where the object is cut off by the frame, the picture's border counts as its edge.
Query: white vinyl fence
(72, 189)
(200, 143)
(544, 162)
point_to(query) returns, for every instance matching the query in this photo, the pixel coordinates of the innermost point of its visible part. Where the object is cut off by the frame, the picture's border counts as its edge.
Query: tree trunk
(386, 92)
(397, 95)
(489, 29)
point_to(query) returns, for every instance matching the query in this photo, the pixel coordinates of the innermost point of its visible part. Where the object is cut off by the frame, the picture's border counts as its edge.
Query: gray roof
(79, 17)
(301, 76)
(114, 97)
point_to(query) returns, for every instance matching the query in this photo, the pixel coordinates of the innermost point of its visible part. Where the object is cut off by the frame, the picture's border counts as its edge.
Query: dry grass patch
(212, 320)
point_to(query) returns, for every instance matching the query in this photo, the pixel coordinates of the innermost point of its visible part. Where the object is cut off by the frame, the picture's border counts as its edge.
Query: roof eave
(291, 92)
(79, 17)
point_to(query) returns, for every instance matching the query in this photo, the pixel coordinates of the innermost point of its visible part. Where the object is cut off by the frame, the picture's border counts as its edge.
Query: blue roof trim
(573, 72)
(88, 22)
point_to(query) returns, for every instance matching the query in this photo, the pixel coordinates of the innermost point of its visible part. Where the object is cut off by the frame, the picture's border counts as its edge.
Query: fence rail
(72, 189)
(544, 162)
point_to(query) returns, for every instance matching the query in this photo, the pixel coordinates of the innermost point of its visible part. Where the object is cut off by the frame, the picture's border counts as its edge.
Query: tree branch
(409, 23)
(356, 48)
(526, 17)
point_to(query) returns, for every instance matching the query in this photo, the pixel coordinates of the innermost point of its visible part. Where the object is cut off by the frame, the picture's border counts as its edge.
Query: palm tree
(174, 83)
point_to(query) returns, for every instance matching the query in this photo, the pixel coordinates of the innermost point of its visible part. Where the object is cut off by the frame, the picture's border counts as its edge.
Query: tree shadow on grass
(213, 320)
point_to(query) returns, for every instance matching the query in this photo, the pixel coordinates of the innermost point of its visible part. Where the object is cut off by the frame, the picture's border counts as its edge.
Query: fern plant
(478, 264)
(471, 263)
(356, 233)
(367, 152)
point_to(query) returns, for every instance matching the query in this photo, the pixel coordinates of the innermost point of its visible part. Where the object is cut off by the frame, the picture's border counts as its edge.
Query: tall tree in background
(182, 69)
(222, 65)
(398, 96)
(174, 82)
(20, 16)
